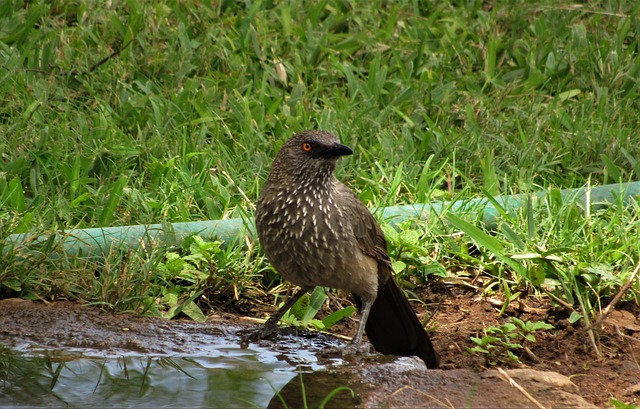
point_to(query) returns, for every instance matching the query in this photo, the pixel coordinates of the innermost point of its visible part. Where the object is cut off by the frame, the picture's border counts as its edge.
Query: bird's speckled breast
(303, 234)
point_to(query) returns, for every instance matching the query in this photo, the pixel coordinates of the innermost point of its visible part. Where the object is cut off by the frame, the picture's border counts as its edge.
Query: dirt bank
(29, 326)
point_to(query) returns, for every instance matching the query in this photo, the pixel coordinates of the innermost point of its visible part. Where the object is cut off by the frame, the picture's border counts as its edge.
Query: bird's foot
(357, 349)
(250, 335)
(348, 352)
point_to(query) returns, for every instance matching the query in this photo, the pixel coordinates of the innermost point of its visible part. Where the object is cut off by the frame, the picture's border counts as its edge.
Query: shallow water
(62, 354)
(226, 376)
(65, 355)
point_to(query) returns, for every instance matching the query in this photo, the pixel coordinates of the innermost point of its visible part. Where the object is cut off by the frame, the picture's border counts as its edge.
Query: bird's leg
(271, 325)
(355, 345)
(364, 315)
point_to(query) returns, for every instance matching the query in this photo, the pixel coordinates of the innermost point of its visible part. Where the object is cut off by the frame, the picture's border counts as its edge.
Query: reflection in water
(231, 377)
(315, 390)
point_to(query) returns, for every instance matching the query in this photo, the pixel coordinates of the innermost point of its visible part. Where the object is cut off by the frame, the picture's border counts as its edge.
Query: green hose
(99, 241)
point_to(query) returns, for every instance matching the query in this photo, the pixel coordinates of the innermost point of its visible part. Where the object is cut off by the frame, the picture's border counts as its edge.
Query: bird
(315, 231)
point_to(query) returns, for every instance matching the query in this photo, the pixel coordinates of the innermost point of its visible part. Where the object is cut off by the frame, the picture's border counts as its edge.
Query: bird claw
(352, 349)
(355, 349)
(348, 352)
(250, 335)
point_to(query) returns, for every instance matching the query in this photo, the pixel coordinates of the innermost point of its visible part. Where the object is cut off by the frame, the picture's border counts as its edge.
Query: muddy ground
(459, 315)
(566, 349)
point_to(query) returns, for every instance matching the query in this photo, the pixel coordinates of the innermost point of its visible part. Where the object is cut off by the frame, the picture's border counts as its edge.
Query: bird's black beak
(336, 150)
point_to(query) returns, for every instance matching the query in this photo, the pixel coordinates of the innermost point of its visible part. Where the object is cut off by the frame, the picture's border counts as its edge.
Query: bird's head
(310, 154)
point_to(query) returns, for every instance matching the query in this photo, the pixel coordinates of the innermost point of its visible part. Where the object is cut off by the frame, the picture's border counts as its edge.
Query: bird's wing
(367, 231)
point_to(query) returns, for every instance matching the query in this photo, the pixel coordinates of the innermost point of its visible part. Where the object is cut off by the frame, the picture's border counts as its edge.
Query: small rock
(632, 390)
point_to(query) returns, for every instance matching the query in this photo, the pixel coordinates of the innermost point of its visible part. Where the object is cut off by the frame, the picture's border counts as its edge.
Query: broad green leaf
(575, 317)
(333, 318)
(193, 311)
(115, 194)
(398, 266)
(316, 300)
(15, 195)
(485, 240)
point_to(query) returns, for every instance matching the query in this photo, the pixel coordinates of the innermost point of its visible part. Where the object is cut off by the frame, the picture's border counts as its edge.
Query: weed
(203, 271)
(304, 311)
(303, 394)
(500, 344)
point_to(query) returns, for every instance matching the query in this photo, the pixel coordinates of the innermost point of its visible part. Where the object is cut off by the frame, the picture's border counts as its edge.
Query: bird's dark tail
(393, 327)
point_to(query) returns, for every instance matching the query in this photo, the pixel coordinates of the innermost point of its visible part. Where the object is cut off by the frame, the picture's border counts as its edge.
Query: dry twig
(603, 316)
(515, 384)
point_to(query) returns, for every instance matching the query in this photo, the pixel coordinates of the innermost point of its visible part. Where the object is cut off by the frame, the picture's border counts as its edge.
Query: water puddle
(65, 355)
(226, 376)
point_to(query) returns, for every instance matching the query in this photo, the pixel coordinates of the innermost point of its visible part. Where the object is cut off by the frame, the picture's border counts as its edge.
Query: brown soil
(567, 349)
(459, 314)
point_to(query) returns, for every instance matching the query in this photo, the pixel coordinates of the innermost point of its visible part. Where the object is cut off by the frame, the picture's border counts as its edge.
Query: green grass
(117, 113)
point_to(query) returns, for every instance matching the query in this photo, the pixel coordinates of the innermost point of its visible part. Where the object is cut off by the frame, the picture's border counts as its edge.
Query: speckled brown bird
(316, 232)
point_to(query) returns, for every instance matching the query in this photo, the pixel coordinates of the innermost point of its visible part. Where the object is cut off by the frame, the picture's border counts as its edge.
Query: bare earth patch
(566, 350)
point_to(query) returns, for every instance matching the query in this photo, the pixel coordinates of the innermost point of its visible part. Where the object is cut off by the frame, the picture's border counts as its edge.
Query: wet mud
(183, 362)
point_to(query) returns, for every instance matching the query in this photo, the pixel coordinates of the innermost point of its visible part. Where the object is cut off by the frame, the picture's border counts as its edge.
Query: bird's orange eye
(306, 147)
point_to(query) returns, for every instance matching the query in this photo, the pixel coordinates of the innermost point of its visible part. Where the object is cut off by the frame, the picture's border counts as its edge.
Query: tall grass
(115, 113)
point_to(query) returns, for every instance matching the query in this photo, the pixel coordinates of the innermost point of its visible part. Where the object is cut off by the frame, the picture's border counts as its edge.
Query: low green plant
(500, 343)
(617, 404)
(304, 311)
(41, 268)
(555, 246)
(200, 271)
(411, 250)
(184, 276)
(149, 279)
